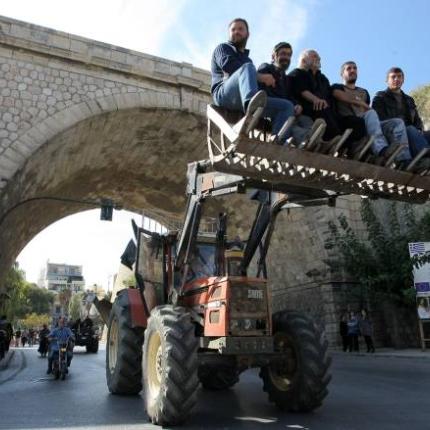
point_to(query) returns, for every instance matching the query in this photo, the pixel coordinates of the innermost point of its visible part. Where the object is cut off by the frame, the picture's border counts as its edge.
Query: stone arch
(26, 144)
(136, 156)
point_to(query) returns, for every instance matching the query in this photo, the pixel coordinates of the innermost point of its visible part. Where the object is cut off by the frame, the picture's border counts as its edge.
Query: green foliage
(422, 99)
(16, 305)
(75, 306)
(34, 320)
(39, 299)
(24, 298)
(381, 264)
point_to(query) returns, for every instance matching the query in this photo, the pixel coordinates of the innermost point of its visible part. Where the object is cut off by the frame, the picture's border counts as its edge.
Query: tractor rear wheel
(123, 351)
(299, 382)
(214, 378)
(170, 365)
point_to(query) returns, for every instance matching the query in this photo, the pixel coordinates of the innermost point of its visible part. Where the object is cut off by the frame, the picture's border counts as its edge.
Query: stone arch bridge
(81, 119)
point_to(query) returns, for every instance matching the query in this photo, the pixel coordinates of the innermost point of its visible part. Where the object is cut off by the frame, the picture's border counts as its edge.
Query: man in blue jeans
(235, 80)
(388, 133)
(394, 103)
(62, 333)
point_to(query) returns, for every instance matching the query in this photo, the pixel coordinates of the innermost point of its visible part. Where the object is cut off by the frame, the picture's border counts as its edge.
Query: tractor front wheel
(170, 365)
(298, 382)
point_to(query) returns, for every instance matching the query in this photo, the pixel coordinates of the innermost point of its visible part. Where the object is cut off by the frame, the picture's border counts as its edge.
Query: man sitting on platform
(394, 103)
(312, 91)
(235, 80)
(282, 88)
(352, 104)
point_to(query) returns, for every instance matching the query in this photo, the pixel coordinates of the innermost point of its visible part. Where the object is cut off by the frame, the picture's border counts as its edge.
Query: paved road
(366, 392)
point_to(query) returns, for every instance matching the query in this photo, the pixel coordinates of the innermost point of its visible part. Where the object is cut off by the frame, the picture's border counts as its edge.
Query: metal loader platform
(252, 155)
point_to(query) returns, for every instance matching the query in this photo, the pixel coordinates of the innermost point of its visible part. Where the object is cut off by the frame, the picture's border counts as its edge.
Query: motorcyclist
(43, 341)
(62, 333)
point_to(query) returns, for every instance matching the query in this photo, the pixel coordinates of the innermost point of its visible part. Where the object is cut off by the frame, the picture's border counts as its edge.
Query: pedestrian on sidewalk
(343, 330)
(31, 334)
(353, 332)
(17, 338)
(24, 337)
(366, 330)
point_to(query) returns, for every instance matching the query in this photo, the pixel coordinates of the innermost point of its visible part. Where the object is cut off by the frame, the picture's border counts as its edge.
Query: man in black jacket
(282, 88)
(352, 106)
(394, 103)
(312, 90)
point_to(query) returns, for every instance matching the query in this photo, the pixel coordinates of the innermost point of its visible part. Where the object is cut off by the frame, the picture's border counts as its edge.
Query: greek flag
(416, 248)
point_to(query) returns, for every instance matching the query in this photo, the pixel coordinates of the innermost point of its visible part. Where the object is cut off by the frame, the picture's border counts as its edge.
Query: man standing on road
(394, 103)
(353, 332)
(235, 80)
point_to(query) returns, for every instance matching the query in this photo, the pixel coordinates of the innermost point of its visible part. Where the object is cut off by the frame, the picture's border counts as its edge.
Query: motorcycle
(59, 363)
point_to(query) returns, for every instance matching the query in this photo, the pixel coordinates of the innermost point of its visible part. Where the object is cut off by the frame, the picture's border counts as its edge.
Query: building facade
(60, 277)
(65, 280)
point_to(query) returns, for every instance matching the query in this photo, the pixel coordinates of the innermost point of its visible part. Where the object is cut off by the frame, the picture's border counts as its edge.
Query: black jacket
(283, 88)
(317, 84)
(385, 105)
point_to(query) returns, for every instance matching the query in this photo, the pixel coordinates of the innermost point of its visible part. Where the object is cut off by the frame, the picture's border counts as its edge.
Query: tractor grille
(248, 309)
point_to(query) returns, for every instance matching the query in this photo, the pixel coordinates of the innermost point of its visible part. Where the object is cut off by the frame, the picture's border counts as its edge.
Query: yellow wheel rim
(282, 374)
(113, 345)
(155, 365)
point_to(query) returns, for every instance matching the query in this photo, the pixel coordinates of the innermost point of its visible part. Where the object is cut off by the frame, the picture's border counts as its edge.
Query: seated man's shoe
(357, 149)
(389, 153)
(258, 100)
(254, 111)
(421, 166)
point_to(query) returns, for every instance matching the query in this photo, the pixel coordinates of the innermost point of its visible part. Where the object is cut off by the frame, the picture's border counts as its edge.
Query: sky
(375, 34)
(81, 239)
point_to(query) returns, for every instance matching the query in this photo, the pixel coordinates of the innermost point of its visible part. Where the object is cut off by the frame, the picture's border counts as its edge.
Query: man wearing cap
(235, 80)
(394, 103)
(281, 58)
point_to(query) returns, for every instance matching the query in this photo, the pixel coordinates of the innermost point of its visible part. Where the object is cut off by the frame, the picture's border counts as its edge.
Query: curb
(424, 356)
(5, 362)
(21, 362)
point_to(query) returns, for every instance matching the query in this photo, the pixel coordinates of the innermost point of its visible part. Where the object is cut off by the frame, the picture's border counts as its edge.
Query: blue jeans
(53, 355)
(417, 140)
(301, 128)
(238, 89)
(390, 131)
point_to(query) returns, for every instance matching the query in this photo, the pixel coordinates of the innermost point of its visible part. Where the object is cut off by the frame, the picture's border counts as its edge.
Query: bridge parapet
(50, 81)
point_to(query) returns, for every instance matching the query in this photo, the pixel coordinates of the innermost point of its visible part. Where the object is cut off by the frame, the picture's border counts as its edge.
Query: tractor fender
(132, 299)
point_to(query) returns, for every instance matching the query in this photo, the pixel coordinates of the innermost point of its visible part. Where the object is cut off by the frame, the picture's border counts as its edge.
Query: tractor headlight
(234, 324)
(247, 324)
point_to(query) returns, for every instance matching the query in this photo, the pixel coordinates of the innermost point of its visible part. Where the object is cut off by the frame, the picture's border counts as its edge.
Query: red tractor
(196, 314)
